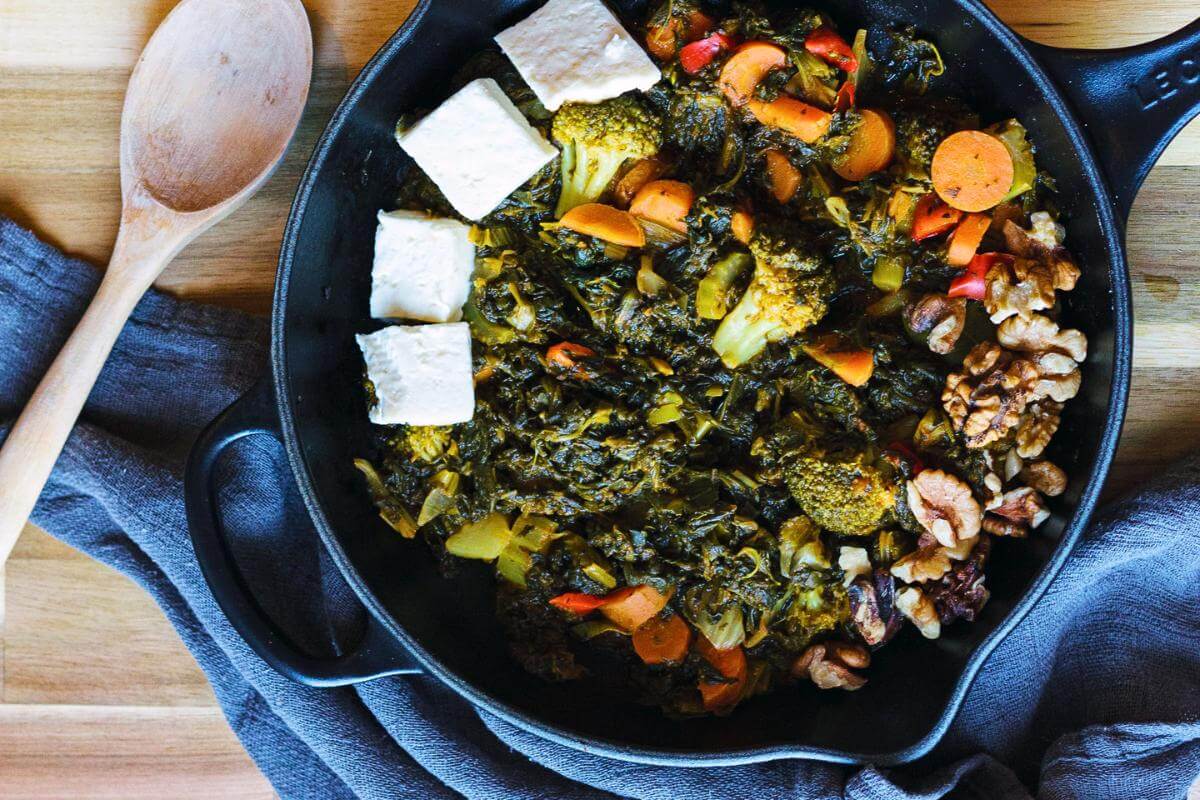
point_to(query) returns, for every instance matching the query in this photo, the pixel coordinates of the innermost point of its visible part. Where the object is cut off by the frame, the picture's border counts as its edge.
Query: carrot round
(662, 641)
(747, 67)
(854, 365)
(741, 225)
(972, 171)
(785, 178)
(965, 240)
(631, 606)
(664, 202)
(932, 218)
(872, 146)
(641, 173)
(731, 663)
(807, 123)
(605, 222)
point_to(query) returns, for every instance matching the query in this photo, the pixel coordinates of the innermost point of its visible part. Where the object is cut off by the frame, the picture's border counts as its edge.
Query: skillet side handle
(1133, 101)
(376, 655)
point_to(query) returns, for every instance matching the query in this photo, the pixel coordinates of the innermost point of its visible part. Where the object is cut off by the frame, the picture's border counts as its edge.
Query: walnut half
(986, 400)
(828, 665)
(944, 506)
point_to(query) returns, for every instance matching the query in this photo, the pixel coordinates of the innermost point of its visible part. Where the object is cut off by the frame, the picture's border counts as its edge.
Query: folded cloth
(1095, 695)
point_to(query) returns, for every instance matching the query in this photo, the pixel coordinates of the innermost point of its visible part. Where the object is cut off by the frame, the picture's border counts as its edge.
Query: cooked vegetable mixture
(763, 362)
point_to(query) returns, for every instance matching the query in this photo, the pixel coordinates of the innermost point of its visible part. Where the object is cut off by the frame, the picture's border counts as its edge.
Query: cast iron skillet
(1083, 109)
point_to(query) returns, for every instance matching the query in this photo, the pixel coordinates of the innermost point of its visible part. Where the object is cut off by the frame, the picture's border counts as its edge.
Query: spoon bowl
(211, 107)
(214, 100)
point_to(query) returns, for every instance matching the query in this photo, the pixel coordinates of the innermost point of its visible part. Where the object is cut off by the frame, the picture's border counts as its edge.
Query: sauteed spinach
(761, 365)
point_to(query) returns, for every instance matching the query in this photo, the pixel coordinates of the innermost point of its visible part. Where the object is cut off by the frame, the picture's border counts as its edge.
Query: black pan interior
(322, 302)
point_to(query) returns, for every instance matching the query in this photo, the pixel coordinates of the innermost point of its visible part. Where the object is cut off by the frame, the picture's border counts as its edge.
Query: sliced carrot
(663, 40)
(605, 222)
(854, 365)
(665, 202)
(632, 606)
(561, 354)
(642, 172)
(663, 641)
(933, 218)
(785, 178)
(741, 225)
(825, 44)
(972, 171)
(731, 663)
(965, 240)
(746, 68)
(872, 146)
(807, 123)
(577, 602)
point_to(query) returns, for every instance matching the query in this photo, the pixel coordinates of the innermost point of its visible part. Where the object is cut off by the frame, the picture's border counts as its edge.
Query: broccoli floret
(785, 296)
(841, 492)
(596, 140)
(812, 610)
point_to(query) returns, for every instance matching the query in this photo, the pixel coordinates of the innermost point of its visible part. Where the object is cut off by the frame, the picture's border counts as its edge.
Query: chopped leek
(483, 540)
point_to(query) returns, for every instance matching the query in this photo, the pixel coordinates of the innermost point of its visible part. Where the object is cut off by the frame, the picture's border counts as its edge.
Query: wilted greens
(704, 427)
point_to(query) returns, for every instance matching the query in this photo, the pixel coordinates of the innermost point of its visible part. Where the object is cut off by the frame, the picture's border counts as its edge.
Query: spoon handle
(36, 439)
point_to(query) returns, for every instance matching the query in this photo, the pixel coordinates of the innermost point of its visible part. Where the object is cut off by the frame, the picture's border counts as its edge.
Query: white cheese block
(422, 374)
(477, 147)
(422, 267)
(577, 51)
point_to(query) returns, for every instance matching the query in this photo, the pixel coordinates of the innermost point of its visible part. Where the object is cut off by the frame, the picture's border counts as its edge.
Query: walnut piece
(940, 316)
(1037, 426)
(1056, 260)
(828, 665)
(986, 400)
(1054, 353)
(853, 561)
(962, 549)
(1044, 230)
(1023, 506)
(1026, 282)
(1040, 334)
(924, 564)
(944, 506)
(999, 526)
(1046, 477)
(916, 606)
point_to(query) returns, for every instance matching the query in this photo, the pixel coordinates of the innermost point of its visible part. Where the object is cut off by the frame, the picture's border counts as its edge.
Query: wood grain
(100, 699)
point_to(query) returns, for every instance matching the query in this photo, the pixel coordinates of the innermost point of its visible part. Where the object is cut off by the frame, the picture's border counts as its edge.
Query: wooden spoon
(211, 107)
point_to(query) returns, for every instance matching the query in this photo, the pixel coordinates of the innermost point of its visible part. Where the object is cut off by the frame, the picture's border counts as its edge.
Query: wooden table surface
(98, 698)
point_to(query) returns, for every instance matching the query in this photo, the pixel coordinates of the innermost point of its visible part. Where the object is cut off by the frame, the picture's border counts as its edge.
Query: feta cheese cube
(477, 147)
(422, 267)
(577, 51)
(422, 374)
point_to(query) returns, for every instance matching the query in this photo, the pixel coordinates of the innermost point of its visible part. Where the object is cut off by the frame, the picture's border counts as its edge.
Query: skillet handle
(376, 655)
(1132, 100)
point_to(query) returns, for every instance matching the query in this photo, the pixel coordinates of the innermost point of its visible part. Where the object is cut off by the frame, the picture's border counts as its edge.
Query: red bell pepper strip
(578, 602)
(918, 466)
(972, 283)
(698, 55)
(845, 97)
(824, 43)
